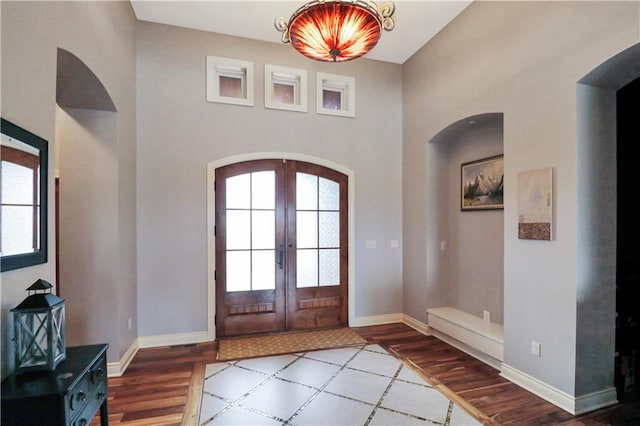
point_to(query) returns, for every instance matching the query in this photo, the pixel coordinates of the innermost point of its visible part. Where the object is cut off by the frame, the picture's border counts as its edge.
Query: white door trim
(211, 208)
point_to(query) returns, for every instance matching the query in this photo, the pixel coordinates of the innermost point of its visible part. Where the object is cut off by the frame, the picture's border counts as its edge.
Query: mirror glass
(23, 198)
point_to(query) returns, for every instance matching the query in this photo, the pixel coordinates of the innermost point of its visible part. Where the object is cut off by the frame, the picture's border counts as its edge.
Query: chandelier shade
(336, 30)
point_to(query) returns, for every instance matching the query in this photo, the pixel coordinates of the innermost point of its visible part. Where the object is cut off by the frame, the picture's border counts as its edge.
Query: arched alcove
(87, 204)
(465, 253)
(78, 87)
(469, 256)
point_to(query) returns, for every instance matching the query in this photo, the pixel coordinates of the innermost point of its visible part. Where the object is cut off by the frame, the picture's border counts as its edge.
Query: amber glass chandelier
(336, 30)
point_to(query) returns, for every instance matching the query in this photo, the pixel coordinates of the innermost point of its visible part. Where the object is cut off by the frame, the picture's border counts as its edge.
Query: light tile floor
(362, 385)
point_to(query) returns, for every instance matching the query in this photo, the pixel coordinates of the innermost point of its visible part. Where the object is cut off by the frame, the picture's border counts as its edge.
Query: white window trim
(339, 83)
(224, 67)
(292, 76)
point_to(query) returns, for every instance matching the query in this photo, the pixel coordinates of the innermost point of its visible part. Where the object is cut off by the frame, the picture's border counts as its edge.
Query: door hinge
(215, 319)
(215, 230)
(215, 275)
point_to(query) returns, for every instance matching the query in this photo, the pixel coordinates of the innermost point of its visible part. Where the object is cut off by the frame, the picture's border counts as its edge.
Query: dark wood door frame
(301, 301)
(306, 308)
(263, 310)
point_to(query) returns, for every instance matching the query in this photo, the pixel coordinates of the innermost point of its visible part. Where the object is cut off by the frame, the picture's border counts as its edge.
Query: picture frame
(535, 205)
(335, 95)
(482, 184)
(285, 88)
(229, 81)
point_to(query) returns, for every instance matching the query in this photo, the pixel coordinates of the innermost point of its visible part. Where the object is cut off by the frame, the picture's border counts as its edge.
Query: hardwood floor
(156, 388)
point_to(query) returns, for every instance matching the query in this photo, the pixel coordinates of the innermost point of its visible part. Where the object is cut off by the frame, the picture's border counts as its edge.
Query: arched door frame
(211, 208)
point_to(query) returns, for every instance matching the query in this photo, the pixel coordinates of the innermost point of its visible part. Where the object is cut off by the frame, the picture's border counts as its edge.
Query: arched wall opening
(599, 222)
(466, 254)
(87, 206)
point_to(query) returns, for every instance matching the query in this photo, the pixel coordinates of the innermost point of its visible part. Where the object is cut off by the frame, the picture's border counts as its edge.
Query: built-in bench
(481, 339)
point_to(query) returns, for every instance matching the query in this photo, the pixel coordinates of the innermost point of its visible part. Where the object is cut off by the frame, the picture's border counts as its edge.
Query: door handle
(280, 261)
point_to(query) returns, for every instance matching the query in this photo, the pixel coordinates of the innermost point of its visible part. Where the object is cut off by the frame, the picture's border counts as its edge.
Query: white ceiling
(417, 21)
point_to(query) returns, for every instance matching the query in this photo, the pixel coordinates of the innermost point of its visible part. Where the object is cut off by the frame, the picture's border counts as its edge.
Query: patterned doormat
(251, 347)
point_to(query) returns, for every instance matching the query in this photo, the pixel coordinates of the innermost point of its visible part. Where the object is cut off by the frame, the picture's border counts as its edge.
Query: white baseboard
(483, 336)
(391, 319)
(573, 405)
(416, 325)
(538, 387)
(596, 400)
(173, 339)
(117, 369)
(376, 320)
(487, 359)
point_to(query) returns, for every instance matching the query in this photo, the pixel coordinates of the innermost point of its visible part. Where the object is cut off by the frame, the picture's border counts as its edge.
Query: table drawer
(92, 405)
(82, 395)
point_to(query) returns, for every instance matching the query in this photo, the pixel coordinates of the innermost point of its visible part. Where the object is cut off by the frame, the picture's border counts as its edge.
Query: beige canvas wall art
(535, 204)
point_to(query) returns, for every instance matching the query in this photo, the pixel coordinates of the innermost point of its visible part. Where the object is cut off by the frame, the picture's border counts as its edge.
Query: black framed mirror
(23, 198)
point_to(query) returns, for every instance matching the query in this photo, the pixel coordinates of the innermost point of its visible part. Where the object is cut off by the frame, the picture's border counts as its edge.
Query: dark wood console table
(69, 395)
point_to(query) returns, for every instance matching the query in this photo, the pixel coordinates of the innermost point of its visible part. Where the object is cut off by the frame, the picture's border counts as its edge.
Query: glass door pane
(317, 231)
(251, 231)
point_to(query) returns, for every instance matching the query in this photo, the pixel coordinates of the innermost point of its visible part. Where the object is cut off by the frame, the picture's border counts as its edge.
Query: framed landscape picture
(482, 184)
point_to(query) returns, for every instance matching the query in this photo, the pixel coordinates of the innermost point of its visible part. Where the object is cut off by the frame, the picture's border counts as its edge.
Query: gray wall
(179, 133)
(597, 197)
(530, 75)
(475, 243)
(102, 35)
(88, 215)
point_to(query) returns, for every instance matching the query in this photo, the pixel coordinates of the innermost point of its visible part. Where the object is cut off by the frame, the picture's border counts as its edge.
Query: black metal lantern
(39, 330)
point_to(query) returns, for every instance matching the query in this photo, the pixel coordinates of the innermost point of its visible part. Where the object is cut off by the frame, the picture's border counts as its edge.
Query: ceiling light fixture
(336, 30)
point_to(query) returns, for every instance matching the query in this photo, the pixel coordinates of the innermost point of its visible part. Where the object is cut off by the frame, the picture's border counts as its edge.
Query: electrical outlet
(129, 323)
(535, 348)
(486, 316)
(443, 245)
